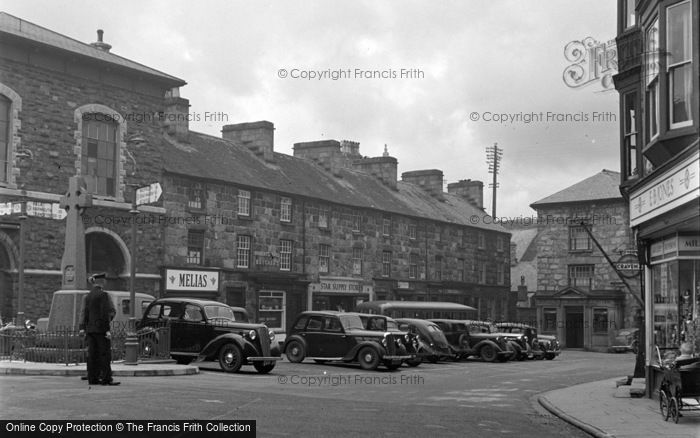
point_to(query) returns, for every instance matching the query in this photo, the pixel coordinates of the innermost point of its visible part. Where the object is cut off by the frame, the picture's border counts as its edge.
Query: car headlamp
(272, 334)
(252, 335)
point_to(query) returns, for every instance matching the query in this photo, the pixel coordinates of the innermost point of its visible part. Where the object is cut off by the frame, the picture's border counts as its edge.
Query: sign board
(628, 266)
(148, 194)
(675, 247)
(678, 186)
(191, 280)
(50, 210)
(339, 286)
(7, 208)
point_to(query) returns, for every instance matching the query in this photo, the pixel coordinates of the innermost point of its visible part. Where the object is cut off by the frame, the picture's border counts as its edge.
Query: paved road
(461, 399)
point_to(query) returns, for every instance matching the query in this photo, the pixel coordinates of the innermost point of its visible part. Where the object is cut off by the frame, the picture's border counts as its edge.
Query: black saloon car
(432, 344)
(338, 336)
(208, 330)
(384, 323)
(541, 346)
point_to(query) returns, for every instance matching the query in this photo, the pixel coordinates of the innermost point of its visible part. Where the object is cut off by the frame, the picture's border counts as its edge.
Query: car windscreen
(351, 322)
(219, 312)
(391, 325)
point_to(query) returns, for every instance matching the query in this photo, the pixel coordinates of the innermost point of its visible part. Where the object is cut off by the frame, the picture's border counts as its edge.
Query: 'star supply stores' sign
(191, 280)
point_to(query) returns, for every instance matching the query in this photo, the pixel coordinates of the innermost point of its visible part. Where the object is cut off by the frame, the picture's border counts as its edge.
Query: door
(574, 327)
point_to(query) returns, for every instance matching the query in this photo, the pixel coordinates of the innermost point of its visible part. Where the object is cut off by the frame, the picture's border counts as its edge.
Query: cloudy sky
(466, 64)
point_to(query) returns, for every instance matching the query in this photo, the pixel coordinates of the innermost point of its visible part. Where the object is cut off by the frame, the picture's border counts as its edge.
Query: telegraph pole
(493, 159)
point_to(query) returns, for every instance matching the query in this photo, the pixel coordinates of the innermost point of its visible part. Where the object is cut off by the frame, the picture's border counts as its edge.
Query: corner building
(659, 83)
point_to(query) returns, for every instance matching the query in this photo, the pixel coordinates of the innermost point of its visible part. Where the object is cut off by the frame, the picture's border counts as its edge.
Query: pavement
(166, 368)
(592, 407)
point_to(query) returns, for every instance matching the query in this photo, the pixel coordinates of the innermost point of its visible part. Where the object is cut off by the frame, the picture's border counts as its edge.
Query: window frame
(324, 258)
(574, 240)
(189, 257)
(669, 67)
(386, 263)
(6, 157)
(243, 247)
(573, 272)
(413, 265)
(386, 226)
(596, 329)
(357, 260)
(652, 70)
(286, 254)
(243, 205)
(100, 120)
(285, 209)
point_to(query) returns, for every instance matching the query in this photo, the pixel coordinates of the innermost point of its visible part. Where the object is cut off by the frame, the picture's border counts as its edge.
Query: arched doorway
(103, 253)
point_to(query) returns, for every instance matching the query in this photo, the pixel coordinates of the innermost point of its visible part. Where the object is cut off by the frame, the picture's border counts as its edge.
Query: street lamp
(20, 292)
(132, 343)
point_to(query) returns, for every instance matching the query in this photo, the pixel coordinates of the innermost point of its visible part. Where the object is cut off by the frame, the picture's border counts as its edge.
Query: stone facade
(580, 298)
(59, 92)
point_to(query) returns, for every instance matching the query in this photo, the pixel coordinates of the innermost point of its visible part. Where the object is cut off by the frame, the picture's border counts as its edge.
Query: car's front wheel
(488, 353)
(550, 356)
(264, 367)
(230, 358)
(295, 352)
(368, 358)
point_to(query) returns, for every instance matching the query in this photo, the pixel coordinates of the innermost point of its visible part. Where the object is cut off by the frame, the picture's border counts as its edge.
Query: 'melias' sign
(191, 280)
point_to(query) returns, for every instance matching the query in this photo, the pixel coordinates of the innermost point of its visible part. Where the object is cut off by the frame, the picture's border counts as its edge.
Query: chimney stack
(383, 168)
(99, 44)
(325, 153)
(176, 115)
(472, 191)
(258, 137)
(429, 180)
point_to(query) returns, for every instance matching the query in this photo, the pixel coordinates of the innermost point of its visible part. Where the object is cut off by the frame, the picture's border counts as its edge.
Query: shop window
(579, 240)
(285, 209)
(600, 321)
(285, 255)
(272, 309)
(549, 317)
(195, 247)
(243, 203)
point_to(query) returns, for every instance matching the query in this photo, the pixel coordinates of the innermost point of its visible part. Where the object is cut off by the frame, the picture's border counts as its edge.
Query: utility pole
(493, 159)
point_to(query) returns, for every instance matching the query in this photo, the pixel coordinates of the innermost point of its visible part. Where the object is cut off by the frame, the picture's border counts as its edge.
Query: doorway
(574, 327)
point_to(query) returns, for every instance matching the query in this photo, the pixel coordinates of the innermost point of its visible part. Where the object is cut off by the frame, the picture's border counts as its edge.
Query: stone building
(237, 222)
(325, 228)
(70, 108)
(579, 297)
(659, 84)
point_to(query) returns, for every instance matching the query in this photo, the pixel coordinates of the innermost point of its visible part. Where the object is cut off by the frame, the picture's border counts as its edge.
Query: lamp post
(132, 343)
(20, 269)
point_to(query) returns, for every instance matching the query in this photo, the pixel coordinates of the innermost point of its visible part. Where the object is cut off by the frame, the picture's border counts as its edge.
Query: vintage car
(468, 339)
(626, 339)
(528, 335)
(386, 324)
(339, 336)
(432, 344)
(543, 346)
(208, 330)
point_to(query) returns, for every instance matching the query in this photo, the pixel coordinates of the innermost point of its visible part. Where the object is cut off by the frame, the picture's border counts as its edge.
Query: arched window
(100, 149)
(99, 153)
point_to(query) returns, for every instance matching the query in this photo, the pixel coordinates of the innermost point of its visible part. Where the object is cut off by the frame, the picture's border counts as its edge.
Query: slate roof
(222, 160)
(11, 25)
(601, 186)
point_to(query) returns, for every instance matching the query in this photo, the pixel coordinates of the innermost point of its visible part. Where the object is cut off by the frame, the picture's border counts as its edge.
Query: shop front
(665, 216)
(339, 293)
